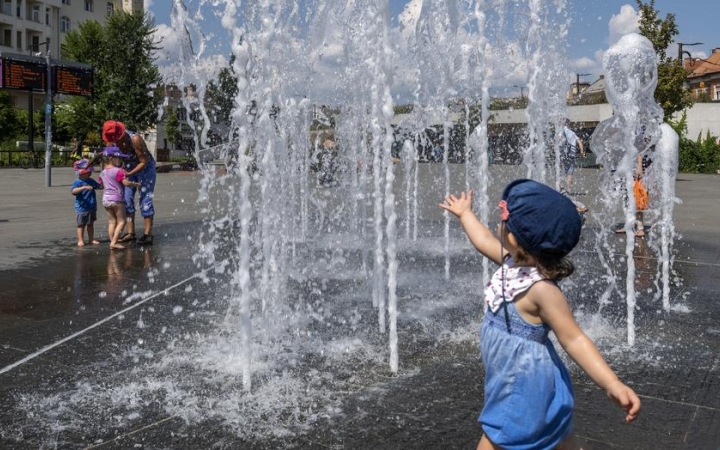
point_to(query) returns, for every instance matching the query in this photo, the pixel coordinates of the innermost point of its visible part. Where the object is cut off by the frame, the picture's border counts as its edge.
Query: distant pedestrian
(327, 165)
(437, 152)
(140, 168)
(570, 145)
(115, 181)
(529, 398)
(85, 202)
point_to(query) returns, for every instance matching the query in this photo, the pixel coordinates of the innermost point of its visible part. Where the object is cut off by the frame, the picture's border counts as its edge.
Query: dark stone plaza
(103, 349)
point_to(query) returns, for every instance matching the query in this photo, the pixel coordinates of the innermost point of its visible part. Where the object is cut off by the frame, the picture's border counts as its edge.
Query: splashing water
(311, 290)
(634, 135)
(260, 212)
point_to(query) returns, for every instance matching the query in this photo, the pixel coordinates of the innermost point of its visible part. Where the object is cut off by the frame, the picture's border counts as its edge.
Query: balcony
(7, 19)
(36, 27)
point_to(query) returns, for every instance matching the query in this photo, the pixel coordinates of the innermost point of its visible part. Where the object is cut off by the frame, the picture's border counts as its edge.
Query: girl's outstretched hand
(626, 398)
(457, 205)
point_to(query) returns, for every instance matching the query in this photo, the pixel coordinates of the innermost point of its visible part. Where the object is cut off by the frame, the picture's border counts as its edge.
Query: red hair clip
(504, 213)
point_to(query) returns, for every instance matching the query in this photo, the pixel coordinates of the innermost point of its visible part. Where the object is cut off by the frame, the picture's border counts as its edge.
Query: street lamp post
(680, 50)
(48, 114)
(48, 121)
(577, 82)
(522, 97)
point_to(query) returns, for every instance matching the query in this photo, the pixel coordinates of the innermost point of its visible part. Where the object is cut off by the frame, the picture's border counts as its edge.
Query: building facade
(704, 80)
(29, 27)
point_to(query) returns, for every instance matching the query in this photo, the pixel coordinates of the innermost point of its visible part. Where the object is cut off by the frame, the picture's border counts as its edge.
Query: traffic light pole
(48, 122)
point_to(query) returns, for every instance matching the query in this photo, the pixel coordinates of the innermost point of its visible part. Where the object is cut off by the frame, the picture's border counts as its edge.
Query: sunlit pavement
(71, 314)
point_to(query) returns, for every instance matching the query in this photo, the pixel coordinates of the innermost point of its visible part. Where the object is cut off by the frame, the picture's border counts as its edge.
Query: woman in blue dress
(528, 393)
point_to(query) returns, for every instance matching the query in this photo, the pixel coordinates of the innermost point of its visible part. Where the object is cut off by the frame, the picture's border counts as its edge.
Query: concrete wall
(701, 118)
(583, 113)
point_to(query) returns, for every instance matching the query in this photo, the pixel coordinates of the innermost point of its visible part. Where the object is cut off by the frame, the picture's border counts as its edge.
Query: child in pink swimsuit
(114, 181)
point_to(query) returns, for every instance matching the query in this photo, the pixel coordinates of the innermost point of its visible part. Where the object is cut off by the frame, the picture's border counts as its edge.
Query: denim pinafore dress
(528, 393)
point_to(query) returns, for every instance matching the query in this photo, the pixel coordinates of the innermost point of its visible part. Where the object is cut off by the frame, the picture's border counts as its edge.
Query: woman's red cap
(112, 131)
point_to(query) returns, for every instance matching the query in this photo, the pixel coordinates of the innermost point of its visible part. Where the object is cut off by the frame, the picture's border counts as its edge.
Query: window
(717, 92)
(18, 41)
(19, 8)
(110, 8)
(35, 14)
(64, 24)
(35, 46)
(65, 2)
(47, 16)
(89, 6)
(7, 7)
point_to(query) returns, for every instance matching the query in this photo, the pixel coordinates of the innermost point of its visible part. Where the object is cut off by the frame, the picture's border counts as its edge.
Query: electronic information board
(73, 81)
(23, 75)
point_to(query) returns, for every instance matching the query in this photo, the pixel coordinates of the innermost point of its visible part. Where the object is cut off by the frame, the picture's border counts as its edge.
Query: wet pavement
(94, 344)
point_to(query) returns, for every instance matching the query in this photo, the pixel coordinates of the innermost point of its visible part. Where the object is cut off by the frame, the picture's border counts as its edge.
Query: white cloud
(627, 21)
(409, 17)
(599, 55)
(168, 55)
(583, 63)
(147, 6)
(203, 70)
(169, 47)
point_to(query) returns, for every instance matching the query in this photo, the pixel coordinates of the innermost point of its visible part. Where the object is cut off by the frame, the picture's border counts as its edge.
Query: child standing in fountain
(85, 202)
(115, 180)
(528, 394)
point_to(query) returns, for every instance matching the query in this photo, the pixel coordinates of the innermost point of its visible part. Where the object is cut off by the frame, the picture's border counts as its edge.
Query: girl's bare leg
(112, 225)
(485, 444)
(639, 225)
(571, 443)
(119, 210)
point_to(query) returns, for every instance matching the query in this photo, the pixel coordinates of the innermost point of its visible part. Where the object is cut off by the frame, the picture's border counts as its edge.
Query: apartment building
(31, 27)
(704, 80)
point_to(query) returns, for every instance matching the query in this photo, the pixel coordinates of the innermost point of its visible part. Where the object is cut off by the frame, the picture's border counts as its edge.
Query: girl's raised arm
(554, 310)
(481, 237)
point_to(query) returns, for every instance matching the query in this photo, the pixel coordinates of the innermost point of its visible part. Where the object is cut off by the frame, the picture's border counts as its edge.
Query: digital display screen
(73, 81)
(23, 75)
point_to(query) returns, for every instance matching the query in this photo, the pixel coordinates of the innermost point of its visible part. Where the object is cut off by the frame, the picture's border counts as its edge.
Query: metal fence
(27, 159)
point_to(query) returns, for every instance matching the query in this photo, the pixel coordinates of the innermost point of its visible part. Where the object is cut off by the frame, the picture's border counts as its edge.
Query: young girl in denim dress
(528, 393)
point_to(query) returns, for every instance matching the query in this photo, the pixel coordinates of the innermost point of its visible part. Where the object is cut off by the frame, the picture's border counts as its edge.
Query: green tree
(670, 93)
(38, 125)
(10, 124)
(403, 109)
(124, 77)
(701, 155)
(172, 126)
(130, 76)
(82, 116)
(220, 96)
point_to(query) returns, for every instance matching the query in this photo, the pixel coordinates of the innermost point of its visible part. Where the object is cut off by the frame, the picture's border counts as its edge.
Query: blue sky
(594, 26)
(590, 29)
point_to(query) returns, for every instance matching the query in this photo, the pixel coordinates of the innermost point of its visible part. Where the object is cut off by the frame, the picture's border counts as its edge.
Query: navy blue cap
(544, 222)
